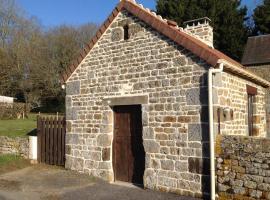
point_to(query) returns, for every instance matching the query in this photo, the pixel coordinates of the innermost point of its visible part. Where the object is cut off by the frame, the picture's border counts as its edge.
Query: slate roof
(257, 51)
(172, 31)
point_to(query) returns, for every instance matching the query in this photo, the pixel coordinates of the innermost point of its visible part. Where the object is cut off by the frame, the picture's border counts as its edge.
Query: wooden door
(128, 151)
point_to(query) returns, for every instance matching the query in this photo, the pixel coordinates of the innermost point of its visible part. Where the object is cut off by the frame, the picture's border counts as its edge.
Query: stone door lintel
(126, 100)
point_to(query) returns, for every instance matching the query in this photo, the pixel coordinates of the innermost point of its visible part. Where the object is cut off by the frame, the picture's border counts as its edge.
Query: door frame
(136, 99)
(113, 141)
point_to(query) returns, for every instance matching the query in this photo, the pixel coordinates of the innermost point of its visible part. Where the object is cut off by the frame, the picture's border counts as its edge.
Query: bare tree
(32, 59)
(9, 12)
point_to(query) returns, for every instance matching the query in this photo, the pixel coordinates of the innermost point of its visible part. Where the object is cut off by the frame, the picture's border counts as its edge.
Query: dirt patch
(51, 197)
(9, 185)
(10, 162)
(54, 183)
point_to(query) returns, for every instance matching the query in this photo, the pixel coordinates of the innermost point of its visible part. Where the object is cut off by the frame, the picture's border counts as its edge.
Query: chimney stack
(201, 29)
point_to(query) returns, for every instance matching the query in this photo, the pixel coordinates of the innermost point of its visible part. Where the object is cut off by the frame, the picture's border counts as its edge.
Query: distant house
(257, 55)
(146, 98)
(4, 99)
(257, 59)
(10, 109)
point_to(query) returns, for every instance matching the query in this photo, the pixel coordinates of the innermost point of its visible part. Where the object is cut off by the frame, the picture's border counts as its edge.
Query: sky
(76, 12)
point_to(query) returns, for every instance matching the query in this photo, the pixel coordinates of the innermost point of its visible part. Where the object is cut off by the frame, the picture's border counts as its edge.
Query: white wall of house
(4, 99)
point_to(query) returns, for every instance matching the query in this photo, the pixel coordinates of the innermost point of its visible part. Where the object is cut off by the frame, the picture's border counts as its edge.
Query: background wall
(16, 145)
(243, 167)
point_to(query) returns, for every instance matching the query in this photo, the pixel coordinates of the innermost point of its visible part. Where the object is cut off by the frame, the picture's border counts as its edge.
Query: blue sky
(75, 12)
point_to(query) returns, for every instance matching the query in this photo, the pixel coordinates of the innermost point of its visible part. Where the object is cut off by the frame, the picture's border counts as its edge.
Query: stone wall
(16, 145)
(13, 110)
(264, 72)
(231, 106)
(175, 117)
(243, 169)
(261, 70)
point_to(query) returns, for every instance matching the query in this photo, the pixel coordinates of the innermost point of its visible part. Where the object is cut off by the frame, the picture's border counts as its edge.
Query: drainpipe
(211, 127)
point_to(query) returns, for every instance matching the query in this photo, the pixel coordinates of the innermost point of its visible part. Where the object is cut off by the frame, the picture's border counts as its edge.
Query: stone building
(137, 102)
(257, 59)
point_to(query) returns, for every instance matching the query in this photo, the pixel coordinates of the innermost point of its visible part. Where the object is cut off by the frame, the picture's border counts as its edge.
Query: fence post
(43, 139)
(39, 139)
(63, 141)
(47, 141)
(55, 147)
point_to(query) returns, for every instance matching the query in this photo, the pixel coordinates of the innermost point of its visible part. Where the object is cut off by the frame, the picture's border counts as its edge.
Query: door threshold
(127, 184)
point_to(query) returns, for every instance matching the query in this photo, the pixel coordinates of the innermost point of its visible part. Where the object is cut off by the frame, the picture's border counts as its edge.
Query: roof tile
(171, 23)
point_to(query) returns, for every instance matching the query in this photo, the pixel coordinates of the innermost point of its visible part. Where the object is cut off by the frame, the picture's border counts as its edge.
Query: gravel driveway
(52, 183)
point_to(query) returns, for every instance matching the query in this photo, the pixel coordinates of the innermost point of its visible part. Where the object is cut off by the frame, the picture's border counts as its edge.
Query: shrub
(13, 110)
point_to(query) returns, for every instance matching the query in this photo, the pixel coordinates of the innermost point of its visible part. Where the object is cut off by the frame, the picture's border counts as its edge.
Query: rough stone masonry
(170, 83)
(230, 93)
(243, 170)
(263, 71)
(175, 127)
(16, 145)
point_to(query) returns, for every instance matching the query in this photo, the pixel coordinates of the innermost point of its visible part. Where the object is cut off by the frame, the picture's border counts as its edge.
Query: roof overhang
(244, 73)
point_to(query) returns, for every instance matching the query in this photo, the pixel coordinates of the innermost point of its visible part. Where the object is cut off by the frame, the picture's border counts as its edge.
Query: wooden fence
(51, 140)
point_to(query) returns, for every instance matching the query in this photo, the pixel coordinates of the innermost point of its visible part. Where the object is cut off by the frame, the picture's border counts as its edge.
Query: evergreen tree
(228, 20)
(261, 18)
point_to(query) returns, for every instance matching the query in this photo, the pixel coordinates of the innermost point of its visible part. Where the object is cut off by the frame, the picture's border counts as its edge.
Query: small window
(251, 92)
(250, 113)
(126, 32)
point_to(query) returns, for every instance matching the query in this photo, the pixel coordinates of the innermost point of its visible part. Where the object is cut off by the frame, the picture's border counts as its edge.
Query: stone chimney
(201, 29)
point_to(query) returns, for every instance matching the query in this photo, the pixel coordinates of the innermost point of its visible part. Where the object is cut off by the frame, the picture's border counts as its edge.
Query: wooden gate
(51, 140)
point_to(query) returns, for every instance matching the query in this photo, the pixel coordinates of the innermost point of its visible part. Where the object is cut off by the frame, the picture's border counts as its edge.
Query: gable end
(199, 48)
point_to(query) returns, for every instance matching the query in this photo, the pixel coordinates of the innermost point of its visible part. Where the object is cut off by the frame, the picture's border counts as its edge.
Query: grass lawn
(18, 127)
(10, 162)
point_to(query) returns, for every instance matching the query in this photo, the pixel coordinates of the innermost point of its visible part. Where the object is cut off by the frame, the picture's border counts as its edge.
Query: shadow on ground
(32, 132)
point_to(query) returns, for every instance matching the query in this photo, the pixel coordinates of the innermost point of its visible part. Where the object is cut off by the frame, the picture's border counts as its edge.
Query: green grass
(11, 162)
(7, 158)
(18, 127)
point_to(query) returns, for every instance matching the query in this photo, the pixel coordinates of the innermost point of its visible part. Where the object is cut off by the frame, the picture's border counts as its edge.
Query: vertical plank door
(128, 151)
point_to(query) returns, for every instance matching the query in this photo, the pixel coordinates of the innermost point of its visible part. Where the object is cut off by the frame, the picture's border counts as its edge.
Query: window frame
(251, 95)
(126, 32)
